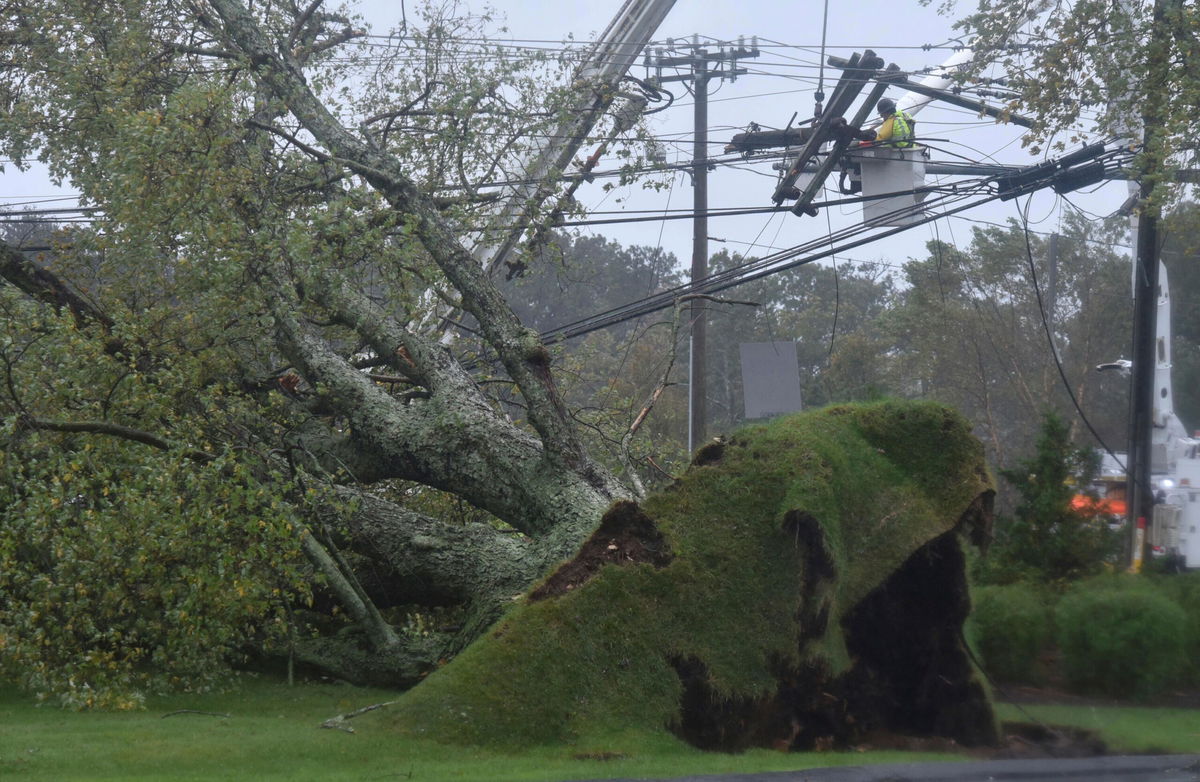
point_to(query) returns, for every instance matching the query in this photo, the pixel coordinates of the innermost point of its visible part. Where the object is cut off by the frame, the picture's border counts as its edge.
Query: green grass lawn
(272, 733)
(1131, 729)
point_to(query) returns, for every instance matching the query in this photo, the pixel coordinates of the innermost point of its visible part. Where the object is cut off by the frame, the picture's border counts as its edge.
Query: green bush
(1121, 638)
(1046, 539)
(1184, 590)
(1011, 628)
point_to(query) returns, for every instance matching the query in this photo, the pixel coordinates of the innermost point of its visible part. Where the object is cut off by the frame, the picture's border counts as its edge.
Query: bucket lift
(599, 77)
(892, 182)
(890, 179)
(886, 175)
(1174, 455)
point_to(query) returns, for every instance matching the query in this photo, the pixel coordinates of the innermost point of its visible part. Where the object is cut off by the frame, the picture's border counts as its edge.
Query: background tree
(831, 314)
(1047, 539)
(611, 376)
(1106, 67)
(971, 334)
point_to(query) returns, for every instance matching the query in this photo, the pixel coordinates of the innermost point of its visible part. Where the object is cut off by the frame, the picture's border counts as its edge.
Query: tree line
(965, 325)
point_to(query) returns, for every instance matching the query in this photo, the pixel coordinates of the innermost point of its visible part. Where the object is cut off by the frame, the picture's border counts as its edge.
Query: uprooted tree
(249, 362)
(264, 299)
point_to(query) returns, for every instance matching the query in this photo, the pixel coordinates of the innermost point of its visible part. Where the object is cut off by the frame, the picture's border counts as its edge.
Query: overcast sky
(781, 81)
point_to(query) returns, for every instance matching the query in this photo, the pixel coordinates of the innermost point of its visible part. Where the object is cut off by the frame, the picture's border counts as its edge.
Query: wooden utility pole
(1139, 491)
(703, 66)
(698, 364)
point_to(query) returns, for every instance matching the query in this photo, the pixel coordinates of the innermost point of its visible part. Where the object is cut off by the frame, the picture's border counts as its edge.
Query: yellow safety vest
(901, 130)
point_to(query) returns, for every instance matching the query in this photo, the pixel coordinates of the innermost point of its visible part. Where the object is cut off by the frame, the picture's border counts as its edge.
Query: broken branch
(339, 722)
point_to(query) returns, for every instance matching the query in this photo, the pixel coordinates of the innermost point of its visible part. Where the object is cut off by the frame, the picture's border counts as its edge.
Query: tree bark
(436, 563)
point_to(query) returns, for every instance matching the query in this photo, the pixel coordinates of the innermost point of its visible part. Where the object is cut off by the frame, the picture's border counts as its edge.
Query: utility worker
(897, 128)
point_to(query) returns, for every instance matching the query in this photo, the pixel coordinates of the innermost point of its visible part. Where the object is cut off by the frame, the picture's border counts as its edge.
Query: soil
(1038, 740)
(625, 536)
(1018, 740)
(1032, 739)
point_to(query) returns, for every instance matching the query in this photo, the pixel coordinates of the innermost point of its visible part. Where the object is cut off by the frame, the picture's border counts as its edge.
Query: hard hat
(886, 106)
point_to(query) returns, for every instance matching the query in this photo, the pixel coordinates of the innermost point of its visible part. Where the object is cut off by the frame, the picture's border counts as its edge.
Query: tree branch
(496, 465)
(304, 52)
(520, 350)
(114, 430)
(436, 563)
(220, 54)
(360, 609)
(283, 134)
(46, 287)
(302, 20)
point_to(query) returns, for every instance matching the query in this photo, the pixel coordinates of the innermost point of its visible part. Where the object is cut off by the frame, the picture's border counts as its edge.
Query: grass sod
(881, 480)
(272, 733)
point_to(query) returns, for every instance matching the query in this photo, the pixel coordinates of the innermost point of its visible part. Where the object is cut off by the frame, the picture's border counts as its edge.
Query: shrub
(1047, 539)
(1011, 627)
(1121, 639)
(1184, 590)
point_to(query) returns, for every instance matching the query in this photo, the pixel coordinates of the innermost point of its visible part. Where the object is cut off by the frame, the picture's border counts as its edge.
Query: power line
(961, 197)
(758, 268)
(1062, 373)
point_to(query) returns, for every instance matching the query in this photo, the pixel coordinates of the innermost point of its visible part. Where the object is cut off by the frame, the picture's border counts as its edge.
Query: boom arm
(599, 76)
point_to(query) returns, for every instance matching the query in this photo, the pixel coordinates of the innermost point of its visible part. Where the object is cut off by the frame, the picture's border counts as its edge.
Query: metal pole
(697, 387)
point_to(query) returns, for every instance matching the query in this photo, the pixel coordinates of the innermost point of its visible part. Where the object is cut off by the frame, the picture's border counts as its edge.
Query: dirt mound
(1018, 740)
(1037, 740)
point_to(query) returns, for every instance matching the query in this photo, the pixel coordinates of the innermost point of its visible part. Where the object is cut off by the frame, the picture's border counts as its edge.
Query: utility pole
(1139, 491)
(1141, 408)
(703, 65)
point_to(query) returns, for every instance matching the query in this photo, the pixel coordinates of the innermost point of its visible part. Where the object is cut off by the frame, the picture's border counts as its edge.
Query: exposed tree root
(626, 535)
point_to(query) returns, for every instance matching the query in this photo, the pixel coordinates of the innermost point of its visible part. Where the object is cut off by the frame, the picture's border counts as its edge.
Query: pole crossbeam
(999, 113)
(858, 71)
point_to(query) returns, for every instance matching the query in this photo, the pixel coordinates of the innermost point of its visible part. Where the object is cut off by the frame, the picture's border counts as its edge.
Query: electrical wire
(837, 292)
(957, 199)
(849, 238)
(1062, 373)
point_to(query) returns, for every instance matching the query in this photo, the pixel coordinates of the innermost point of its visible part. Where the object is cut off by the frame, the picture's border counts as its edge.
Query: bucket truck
(1174, 529)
